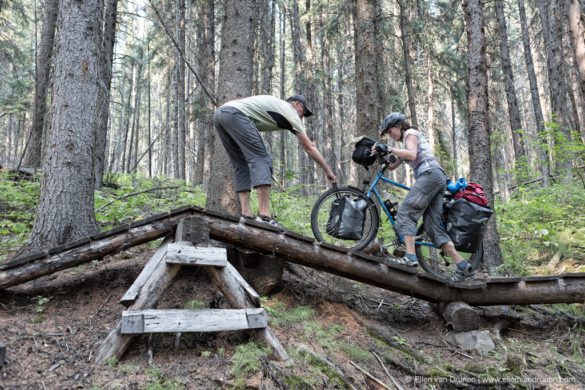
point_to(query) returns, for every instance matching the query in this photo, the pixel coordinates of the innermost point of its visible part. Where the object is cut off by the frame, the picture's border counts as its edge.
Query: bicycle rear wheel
(432, 261)
(320, 217)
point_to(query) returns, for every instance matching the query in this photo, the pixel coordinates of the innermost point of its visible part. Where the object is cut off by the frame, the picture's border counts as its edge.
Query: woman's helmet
(391, 120)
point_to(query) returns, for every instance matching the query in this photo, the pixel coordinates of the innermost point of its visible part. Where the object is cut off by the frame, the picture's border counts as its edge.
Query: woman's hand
(381, 149)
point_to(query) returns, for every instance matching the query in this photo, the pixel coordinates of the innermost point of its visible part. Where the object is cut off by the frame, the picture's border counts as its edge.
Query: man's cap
(303, 101)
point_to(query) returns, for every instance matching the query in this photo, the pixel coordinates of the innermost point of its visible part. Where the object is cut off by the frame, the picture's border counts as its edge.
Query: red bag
(473, 193)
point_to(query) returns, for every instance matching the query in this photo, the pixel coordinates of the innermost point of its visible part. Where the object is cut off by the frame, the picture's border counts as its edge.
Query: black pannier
(466, 224)
(362, 154)
(347, 218)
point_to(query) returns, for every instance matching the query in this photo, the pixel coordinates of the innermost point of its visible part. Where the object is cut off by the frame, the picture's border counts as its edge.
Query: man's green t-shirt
(269, 113)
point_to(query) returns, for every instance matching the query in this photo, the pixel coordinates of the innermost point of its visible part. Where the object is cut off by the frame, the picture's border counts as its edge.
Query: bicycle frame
(373, 189)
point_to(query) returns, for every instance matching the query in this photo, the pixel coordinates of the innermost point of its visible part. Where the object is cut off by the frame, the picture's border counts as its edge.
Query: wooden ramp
(158, 274)
(289, 246)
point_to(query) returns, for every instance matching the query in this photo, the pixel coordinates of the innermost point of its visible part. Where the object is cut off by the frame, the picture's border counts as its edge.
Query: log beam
(567, 288)
(12, 274)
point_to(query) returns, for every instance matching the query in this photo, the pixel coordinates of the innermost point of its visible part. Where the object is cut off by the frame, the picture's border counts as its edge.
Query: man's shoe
(461, 275)
(401, 261)
(269, 220)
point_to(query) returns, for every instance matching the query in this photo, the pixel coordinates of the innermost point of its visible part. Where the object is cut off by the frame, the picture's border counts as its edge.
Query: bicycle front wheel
(320, 217)
(433, 261)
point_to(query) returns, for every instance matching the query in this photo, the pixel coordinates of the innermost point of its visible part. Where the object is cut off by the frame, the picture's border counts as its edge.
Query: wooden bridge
(294, 248)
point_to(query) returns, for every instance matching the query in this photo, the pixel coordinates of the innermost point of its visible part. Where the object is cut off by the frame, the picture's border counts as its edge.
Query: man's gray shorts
(245, 148)
(425, 199)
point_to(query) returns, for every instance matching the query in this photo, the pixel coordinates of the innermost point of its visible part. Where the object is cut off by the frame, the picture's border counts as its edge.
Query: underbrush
(543, 230)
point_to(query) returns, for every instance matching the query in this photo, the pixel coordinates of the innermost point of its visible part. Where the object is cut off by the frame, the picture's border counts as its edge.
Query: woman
(425, 197)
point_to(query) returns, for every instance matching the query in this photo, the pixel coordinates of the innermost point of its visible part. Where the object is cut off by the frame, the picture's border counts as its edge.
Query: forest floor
(330, 326)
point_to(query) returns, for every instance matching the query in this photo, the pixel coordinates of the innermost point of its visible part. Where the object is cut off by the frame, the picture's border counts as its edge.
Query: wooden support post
(460, 316)
(159, 277)
(154, 262)
(241, 296)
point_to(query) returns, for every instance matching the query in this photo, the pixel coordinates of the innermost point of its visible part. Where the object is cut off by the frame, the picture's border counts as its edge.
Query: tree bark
(234, 81)
(538, 116)
(133, 157)
(508, 75)
(479, 133)
(405, 34)
(180, 88)
(282, 66)
(301, 84)
(576, 18)
(549, 17)
(33, 155)
(66, 206)
(205, 61)
(103, 105)
(368, 110)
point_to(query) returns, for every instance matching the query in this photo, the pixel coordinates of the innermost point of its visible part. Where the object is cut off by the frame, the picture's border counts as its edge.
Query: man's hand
(331, 177)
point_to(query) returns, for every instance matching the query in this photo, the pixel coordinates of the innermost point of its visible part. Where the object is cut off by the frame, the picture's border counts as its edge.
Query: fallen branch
(378, 381)
(305, 351)
(398, 386)
(456, 351)
(137, 193)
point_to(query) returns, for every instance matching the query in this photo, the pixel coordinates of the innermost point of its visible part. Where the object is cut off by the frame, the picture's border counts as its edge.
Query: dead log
(25, 269)
(567, 288)
(459, 316)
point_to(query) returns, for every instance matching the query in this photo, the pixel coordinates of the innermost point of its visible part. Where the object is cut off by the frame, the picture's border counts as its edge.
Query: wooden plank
(208, 320)
(132, 322)
(130, 295)
(202, 256)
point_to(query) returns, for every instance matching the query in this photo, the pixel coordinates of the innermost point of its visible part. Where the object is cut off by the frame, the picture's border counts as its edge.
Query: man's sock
(462, 265)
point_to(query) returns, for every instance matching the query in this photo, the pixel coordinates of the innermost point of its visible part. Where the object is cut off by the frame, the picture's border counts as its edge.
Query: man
(238, 123)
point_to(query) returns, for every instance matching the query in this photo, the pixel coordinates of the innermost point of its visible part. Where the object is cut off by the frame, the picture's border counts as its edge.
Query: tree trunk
(508, 75)
(368, 110)
(300, 84)
(103, 105)
(180, 88)
(576, 17)
(430, 130)
(404, 23)
(331, 138)
(125, 122)
(479, 133)
(549, 17)
(282, 66)
(539, 117)
(66, 206)
(234, 81)
(206, 61)
(133, 161)
(33, 155)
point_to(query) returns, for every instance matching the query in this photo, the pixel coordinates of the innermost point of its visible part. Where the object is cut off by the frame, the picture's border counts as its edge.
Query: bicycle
(429, 256)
